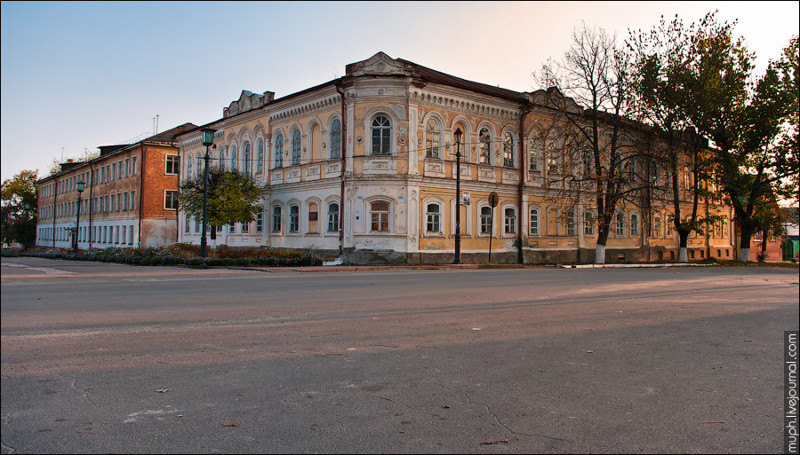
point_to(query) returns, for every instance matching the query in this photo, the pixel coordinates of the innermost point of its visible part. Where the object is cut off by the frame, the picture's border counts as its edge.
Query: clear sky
(77, 75)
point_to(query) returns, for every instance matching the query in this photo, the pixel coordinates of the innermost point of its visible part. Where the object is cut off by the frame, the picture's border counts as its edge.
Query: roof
(431, 75)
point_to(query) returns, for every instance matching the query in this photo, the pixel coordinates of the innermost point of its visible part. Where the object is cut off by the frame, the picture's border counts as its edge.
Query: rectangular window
(130, 235)
(171, 200)
(433, 218)
(276, 219)
(186, 225)
(196, 225)
(486, 220)
(534, 226)
(133, 165)
(620, 225)
(294, 218)
(333, 217)
(133, 200)
(380, 216)
(260, 222)
(127, 167)
(245, 227)
(173, 164)
(113, 171)
(510, 221)
(588, 223)
(570, 223)
(125, 201)
(119, 202)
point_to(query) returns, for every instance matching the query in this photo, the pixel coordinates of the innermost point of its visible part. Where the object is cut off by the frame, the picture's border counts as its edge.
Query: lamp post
(78, 219)
(457, 258)
(208, 139)
(27, 207)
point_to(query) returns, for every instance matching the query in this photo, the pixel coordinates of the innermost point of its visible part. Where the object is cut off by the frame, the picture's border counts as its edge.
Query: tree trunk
(763, 256)
(744, 247)
(600, 254)
(603, 223)
(683, 252)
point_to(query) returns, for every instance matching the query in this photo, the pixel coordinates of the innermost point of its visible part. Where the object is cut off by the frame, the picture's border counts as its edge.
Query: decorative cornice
(305, 109)
(463, 104)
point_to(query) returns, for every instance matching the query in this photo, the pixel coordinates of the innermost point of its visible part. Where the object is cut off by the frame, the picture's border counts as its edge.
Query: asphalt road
(102, 358)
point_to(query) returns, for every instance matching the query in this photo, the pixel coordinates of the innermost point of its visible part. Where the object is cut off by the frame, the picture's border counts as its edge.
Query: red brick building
(129, 198)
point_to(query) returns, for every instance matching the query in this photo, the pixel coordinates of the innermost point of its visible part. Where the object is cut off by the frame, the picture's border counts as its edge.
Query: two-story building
(128, 197)
(365, 167)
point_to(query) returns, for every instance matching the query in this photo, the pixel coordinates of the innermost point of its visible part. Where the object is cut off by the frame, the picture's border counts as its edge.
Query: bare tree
(599, 161)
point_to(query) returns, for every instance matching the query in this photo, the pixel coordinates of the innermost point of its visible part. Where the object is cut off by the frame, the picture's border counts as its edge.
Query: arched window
(486, 146)
(553, 157)
(277, 220)
(260, 165)
(533, 154)
(199, 169)
(534, 224)
(379, 212)
(510, 221)
(234, 160)
(634, 224)
(333, 217)
(294, 218)
(486, 220)
(432, 137)
(588, 223)
(381, 136)
(279, 151)
(508, 150)
(570, 222)
(620, 225)
(462, 147)
(222, 158)
(657, 226)
(189, 160)
(246, 158)
(336, 141)
(433, 217)
(296, 147)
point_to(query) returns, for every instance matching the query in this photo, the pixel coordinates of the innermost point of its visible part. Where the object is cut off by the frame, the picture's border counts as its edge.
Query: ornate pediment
(247, 101)
(380, 64)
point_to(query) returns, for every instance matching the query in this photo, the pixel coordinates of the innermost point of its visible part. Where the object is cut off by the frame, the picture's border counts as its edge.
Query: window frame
(383, 216)
(383, 145)
(172, 165)
(171, 195)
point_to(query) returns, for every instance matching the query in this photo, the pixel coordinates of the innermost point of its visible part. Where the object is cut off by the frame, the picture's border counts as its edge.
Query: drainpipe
(141, 194)
(522, 178)
(344, 166)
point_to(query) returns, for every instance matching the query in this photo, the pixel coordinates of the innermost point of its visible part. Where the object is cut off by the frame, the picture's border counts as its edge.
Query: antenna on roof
(155, 125)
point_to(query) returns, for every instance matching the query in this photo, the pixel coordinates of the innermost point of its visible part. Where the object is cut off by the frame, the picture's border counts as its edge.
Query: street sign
(493, 199)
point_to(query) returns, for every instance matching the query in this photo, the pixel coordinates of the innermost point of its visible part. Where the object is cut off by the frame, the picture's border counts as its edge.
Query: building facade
(365, 168)
(129, 198)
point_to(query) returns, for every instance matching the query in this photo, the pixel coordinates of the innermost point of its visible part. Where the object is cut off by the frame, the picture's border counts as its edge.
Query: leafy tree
(662, 73)
(602, 145)
(754, 129)
(16, 193)
(232, 198)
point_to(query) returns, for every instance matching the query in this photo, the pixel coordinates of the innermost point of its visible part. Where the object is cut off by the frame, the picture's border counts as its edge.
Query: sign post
(493, 199)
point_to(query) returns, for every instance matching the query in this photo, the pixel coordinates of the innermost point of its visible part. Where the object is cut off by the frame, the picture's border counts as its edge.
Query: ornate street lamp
(208, 139)
(457, 134)
(78, 219)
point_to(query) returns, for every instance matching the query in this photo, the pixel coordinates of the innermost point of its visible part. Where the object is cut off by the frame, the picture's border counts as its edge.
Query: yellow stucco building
(363, 167)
